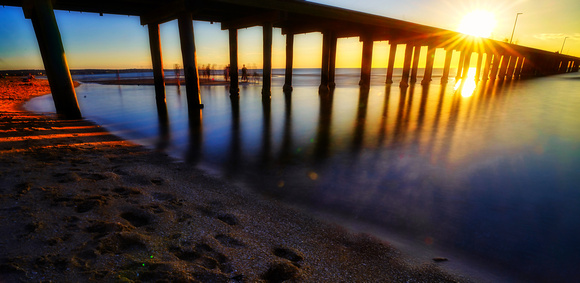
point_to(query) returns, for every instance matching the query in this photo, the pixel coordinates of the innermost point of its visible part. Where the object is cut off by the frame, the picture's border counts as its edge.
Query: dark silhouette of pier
(503, 61)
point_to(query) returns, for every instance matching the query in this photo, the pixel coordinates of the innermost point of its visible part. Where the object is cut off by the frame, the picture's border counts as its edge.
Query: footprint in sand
(229, 242)
(280, 272)
(288, 254)
(229, 219)
(102, 228)
(163, 196)
(85, 205)
(137, 218)
(185, 254)
(122, 242)
(125, 191)
(81, 204)
(93, 176)
(203, 255)
(157, 181)
(213, 211)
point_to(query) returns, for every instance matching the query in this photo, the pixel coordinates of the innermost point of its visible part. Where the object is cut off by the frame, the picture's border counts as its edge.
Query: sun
(478, 23)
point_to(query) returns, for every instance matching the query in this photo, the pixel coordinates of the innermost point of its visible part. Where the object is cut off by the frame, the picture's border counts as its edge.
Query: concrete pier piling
(233, 75)
(332, 62)
(267, 52)
(189, 56)
(407, 65)
(41, 13)
(391, 63)
(466, 64)
(289, 62)
(478, 67)
(460, 66)
(511, 68)
(503, 67)
(446, 66)
(367, 60)
(157, 61)
(495, 66)
(486, 66)
(325, 65)
(415, 66)
(429, 65)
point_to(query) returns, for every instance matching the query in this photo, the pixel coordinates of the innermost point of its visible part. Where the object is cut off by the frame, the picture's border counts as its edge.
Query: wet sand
(78, 204)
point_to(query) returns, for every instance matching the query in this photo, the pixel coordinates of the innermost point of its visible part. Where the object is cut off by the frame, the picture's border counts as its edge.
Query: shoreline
(150, 81)
(79, 204)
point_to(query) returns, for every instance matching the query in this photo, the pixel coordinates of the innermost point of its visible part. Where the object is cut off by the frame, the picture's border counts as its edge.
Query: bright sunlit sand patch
(478, 23)
(92, 145)
(51, 136)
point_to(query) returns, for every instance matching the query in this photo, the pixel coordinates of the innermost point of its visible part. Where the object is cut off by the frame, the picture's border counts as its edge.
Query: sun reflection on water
(466, 86)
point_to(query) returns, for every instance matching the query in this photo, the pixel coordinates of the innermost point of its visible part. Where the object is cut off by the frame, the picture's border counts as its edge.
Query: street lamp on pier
(563, 45)
(514, 30)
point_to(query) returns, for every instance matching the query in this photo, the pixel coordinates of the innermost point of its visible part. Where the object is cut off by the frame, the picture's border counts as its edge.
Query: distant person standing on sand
(227, 72)
(244, 73)
(177, 72)
(255, 77)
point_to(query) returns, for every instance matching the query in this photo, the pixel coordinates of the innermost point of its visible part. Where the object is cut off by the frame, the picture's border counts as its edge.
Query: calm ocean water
(491, 173)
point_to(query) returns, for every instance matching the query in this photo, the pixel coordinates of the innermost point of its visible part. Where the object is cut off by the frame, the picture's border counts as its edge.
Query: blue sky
(113, 41)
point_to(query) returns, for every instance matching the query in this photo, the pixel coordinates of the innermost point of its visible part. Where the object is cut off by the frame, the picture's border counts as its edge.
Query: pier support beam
(415, 68)
(495, 66)
(429, 65)
(332, 62)
(511, 68)
(185, 23)
(518, 69)
(367, 60)
(41, 13)
(565, 65)
(466, 63)
(407, 65)
(527, 68)
(324, 69)
(562, 67)
(391, 64)
(503, 69)
(446, 66)
(459, 72)
(478, 66)
(234, 83)
(289, 62)
(159, 81)
(486, 67)
(267, 52)
(555, 65)
(158, 75)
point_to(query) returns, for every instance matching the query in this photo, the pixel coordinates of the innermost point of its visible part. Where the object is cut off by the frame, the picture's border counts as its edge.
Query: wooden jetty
(495, 60)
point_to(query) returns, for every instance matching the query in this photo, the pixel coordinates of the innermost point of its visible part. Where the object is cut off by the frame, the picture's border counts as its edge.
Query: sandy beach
(78, 204)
